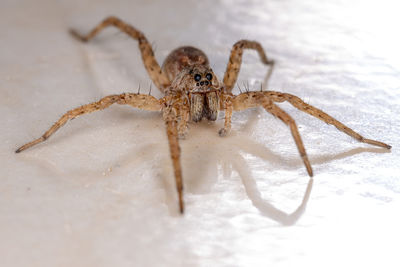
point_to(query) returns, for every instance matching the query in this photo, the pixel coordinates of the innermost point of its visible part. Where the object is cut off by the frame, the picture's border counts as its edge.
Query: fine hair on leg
(153, 68)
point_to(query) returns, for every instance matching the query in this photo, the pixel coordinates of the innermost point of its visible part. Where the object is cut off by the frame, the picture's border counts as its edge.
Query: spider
(192, 92)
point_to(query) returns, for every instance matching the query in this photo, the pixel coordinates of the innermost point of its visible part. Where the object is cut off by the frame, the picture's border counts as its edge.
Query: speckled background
(100, 192)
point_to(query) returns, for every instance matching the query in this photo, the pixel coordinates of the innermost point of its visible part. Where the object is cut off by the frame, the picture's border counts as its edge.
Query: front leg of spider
(171, 108)
(141, 101)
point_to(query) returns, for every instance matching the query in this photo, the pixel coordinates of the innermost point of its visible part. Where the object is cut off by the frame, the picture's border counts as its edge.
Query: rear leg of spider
(145, 102)
(235, 62)
(159, 78)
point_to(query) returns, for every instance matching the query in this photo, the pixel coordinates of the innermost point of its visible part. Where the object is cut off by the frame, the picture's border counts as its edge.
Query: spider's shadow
(231, 159)
(227, 154)
(266, 208)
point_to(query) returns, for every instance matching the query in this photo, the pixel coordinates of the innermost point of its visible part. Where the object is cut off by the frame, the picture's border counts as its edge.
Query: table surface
(101, 192)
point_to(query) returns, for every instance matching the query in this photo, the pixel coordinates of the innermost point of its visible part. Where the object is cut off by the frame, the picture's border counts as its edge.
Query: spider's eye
(209, 76)
(197, 77)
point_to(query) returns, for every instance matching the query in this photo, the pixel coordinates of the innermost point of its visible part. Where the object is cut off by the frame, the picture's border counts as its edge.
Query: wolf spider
(193, 92)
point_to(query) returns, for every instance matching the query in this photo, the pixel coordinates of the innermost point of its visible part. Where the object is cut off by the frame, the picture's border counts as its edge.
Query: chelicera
(192, 92)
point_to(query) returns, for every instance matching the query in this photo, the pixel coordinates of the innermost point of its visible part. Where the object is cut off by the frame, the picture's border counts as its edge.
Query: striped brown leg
(141, 101)
(153, 68)
(172, 115)
(288, 120)
(235, 61)
(227, 106)
(175, 151)
(255, 99)
(266, 99)
(313, 111)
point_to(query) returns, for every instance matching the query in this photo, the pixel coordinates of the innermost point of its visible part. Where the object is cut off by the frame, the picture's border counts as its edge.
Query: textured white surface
(100, 192)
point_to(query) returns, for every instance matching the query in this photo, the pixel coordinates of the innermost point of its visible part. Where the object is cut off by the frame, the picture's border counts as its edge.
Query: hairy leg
(313, 111)
(141, 101)
(175, 151)
(227, 106)
(153, 68)
(235, 61)
(256, 99)
(172, 108)
(184, 117)
(283, 116)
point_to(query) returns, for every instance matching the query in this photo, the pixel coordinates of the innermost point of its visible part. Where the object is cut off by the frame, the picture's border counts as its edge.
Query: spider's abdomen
(181, 58)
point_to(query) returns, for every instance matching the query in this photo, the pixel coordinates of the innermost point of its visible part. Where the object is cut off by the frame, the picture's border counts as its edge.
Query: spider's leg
(172, 133)
(145, 102)
(227, 106)
(256, 99)
(313, 111)
(288, 120)
(184, 115)
(153, 68)
(173, 119)
(235, 61)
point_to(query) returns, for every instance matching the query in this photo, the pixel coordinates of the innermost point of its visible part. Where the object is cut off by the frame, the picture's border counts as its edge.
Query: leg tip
(181, 208)
(223, 132)
(375, 143)
(77, 36)
(309, 171)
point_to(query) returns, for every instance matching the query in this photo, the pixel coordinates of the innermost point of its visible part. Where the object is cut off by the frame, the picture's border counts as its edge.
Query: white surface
(100, 192)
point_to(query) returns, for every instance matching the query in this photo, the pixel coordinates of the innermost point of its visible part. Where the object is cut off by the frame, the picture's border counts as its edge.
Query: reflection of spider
(193, 92)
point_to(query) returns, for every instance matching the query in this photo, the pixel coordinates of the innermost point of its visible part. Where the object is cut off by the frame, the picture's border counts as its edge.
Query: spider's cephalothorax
(189, 70)
(192, 91)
